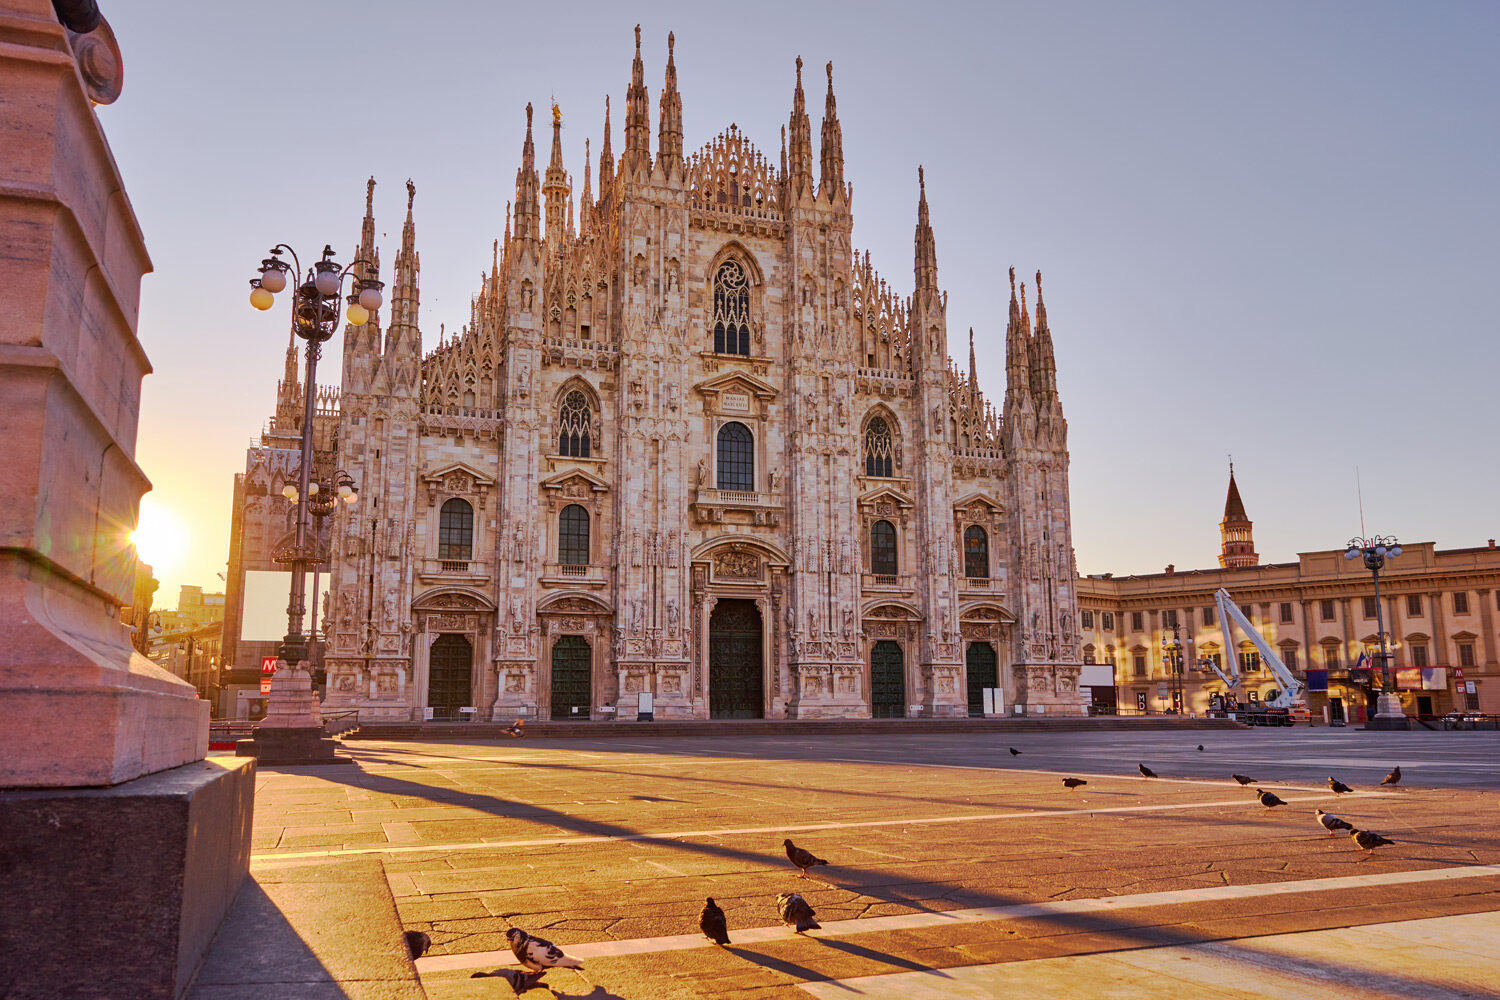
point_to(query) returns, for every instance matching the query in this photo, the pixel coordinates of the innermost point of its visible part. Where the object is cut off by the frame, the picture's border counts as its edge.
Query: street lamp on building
(315, 318)
(1172, 654)
(1376, 550)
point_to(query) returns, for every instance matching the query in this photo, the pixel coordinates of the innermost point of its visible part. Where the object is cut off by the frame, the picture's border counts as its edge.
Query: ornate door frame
(743, 567)
(450, 610)
(576, 613)
(899, 622)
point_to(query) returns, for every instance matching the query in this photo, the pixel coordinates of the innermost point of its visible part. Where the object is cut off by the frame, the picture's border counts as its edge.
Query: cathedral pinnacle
(1044, 378)
(557, 188)
(669, 136)
(528, 211)
(1017, 352)
(800, 148)
(606, 157)
(926, 245)
(832, 181)
(637, 116)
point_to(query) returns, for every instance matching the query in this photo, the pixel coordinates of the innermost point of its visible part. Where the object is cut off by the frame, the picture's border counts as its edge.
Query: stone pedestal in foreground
(292, 731)
(1389, 715)
(120, 850)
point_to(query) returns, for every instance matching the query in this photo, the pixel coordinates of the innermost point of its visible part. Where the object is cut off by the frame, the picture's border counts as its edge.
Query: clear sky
(1266, 228)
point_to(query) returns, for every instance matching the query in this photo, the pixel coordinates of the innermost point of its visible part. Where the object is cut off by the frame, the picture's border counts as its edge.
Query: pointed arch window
(731, 318)
(976, 552)
(883, 549)
(573, 536)
(736, 458)
(880, 448)
(456, 530)
(574, 420)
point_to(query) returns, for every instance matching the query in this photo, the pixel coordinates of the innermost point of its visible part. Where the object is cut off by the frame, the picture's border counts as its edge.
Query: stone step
(774, 727)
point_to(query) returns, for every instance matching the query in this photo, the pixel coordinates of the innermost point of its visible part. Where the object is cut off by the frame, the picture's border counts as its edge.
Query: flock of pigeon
(538, 955)
(1367, 840)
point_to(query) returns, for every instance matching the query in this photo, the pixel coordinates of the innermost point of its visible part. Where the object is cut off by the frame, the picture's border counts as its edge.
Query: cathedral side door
(887, 681)
(980, 663)
(572, 669)
(450, 676)
(735, 690)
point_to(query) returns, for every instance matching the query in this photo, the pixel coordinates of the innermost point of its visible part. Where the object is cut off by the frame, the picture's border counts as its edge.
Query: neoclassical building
(690, 443)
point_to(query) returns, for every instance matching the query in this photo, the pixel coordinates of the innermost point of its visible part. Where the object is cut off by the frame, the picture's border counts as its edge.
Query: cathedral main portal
(735, 689)
(450, 676)
(887, 681)
(571, 670)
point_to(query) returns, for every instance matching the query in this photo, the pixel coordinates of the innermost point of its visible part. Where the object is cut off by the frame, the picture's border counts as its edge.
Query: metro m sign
(268, 664)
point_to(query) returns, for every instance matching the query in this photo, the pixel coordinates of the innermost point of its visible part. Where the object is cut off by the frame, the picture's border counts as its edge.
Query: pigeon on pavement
(1332, 823)
(1394, 778)
(1243, 779)
(417, 942)
(1200, 746)
(802, 859)
(1014, 752)
(517, 728)
(1339, 788)
(1268, 799)
(538, 954)
(1146, 772)
(796, 913)
(519, 981)
(1073, 782)
(711, 923)
(1368, 840)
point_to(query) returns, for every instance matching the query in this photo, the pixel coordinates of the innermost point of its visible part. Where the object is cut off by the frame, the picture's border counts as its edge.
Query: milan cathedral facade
(690, 443)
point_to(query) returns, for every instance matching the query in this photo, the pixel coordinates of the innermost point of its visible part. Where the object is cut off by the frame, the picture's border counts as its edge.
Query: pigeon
(1339, 788)
(711, 922)
(519, 981)
(1268, 799)
(1146, 772)
(1200, 746)
(796, 913)
(1243, 779)
(1367, 840)
(1394, 778)
(417, 942)
(517, 728)
(1332, 823)
(1014, 752)
(802, 859)
(1073, 782)
(538, 954)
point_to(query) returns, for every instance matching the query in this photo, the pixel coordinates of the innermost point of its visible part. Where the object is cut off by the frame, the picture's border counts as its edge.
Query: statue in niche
(672, 548)
(775, 480)
(527, 295)
(848, 622)
(515, 613)
(518, 542)
(845, 558)
(674, 395)
(812, 621)
(672, 618)
(346, 608)
(523, 380)
(388, 609)
(635, 548)
(702, 472)
(843, 410)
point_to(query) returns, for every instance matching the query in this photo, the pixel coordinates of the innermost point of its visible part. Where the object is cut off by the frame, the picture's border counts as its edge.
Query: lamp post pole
(1375, 550)
(1173, 649)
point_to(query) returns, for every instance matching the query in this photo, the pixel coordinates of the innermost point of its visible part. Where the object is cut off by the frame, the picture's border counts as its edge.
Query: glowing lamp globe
(1353, 553)
(358, 314)
(261, 298)
(272, 280)
(370, 298)
(327, 282)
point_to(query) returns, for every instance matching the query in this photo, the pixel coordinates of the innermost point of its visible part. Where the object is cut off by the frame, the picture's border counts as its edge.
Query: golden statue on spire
(556, 114)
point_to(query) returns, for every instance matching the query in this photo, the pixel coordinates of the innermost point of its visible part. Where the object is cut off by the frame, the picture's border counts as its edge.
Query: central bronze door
(980, 663)
(450, 675)
(735, 690)
(887, 681)
(571, 672)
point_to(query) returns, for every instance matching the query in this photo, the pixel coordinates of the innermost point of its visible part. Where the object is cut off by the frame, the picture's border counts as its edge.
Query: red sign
(1458, 672)
(265, 685)
(268, 664)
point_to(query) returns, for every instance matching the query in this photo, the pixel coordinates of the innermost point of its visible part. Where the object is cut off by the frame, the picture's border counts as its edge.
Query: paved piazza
(958, 870)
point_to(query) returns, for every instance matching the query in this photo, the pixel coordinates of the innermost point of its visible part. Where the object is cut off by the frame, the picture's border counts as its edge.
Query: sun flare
(160, 538)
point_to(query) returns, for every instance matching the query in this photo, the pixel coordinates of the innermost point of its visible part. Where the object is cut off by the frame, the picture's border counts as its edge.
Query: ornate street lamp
(1172, 653)
(1376, 550)
(315, 318)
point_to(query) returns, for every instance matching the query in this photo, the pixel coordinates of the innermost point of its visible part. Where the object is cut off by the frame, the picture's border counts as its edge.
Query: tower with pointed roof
(696, 447)
(1237, 544)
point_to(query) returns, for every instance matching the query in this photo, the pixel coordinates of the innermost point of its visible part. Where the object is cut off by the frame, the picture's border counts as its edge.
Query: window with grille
(1138, 664)
(1208, 617)
(1135, 620)
(455, 530)
(882, 549)
(1325, 610)
(736, 458)
(1414, 605)
(1088, 619)
(1289, 657)
(880, 448)
(573, 536)
(1371, 606)
(1109, 621)
(1466, 654)
(1419, 654)
(977, 553)
(574, 421)
(1461, 602)
(1249, 661)
(1285, 612)
(1331, 658)
(731, 319)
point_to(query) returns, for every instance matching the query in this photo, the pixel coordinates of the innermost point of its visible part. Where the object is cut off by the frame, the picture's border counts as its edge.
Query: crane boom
(1292, 690)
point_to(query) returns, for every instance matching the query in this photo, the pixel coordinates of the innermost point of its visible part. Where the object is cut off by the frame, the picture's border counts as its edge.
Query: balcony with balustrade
(469, 572)
(574, 575)
(738, 507)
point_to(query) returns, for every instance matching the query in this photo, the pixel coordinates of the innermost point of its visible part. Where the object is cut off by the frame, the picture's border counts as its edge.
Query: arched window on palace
(573, 536)
(574, 420)
(456, 530)
(976, 552)
(736, 458)
(731, 318)
(882, 549)
(880, 448)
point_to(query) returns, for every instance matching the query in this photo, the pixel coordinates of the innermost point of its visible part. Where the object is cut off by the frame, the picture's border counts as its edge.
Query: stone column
(81, 708)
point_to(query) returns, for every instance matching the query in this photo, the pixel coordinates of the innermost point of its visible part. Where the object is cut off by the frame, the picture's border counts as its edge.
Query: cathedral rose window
(731, 319)
(574, 421)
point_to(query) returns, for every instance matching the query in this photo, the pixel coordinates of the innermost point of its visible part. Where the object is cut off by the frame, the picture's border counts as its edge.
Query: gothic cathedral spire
(831, 186)
(606, 157)
(1017, 354)
(669, 136)
(1044, 377)
(528, 223)
(926, 246)
(637, 157)
(1238, 549)
(557, 189)
(800, 179)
